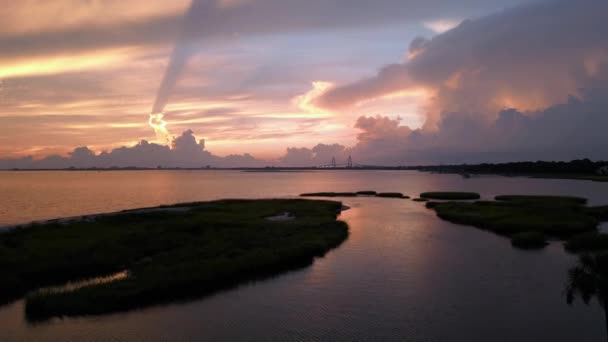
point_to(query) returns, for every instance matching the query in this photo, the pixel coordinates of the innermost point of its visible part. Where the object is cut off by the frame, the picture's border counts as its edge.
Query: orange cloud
(51, 65)
(29, 16)
(306, 101)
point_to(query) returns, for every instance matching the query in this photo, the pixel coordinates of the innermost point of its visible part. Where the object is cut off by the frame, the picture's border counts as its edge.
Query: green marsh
(169, 254)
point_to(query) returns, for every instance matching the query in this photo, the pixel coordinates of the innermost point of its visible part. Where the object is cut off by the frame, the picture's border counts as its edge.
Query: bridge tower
(350, 162)
(333, 162)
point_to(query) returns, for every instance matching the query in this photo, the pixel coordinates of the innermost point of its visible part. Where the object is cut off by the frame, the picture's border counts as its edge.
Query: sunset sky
(388, 81)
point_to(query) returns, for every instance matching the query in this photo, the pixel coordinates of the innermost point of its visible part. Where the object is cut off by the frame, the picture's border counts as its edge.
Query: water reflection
(29, 196)
(589, 280)
(75, 285)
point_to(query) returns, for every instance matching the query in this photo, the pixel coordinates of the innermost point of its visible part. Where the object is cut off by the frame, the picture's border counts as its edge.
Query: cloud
(186, 152)
(321, 154)
(162, 23)
(441, 25)
(26, 16)
(305, 101)
(524, 83)
(382, 141)
(528, 58)
(570, 130)
(259, 43)
(566, 131)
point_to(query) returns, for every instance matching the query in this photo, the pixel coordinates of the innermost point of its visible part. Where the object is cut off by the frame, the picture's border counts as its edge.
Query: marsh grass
(587, 242)
(329, 194)
(547, 217)
(588, 177)
(429, 204)
(450, 195)
(170, 256)
(354, 194)
(600, 213)
(543, 199)
(391, 195)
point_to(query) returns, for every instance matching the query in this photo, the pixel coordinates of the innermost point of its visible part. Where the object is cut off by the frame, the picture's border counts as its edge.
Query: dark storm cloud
(529, 57)
(574, 129)
(548, 62)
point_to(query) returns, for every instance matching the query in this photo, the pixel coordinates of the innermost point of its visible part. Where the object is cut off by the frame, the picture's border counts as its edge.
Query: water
(403, 274)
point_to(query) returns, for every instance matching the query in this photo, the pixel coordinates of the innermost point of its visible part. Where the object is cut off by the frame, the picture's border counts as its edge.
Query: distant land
(581, 169)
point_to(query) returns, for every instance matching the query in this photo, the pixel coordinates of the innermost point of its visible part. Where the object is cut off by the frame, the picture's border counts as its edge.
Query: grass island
(365, 193)
(168, 253)
(529, 220)
(450, 195)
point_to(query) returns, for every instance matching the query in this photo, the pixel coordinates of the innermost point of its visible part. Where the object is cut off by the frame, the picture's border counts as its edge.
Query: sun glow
(159, 125)
(306, 103)
(442, 25)
(414, 92)
(531, 102)
(60, 64)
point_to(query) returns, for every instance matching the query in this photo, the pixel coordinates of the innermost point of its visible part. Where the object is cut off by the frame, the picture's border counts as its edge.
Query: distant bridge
(348, 165)
(341, 166)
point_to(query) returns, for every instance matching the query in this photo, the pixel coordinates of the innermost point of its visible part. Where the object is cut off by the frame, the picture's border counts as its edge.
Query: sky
(190, 83)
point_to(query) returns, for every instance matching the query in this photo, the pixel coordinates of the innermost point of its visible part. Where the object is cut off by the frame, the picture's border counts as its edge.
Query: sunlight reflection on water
(75, 285)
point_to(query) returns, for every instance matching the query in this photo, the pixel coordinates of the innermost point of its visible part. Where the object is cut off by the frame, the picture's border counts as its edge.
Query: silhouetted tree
(589, 279)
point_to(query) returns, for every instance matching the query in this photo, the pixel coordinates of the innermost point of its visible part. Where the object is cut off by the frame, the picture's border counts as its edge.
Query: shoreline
(176, 207)
(93, 217)
(580, 177)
